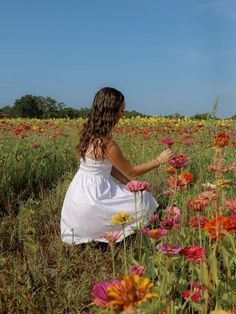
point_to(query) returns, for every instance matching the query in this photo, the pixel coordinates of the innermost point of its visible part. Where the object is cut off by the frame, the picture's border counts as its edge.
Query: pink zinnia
(193, 221)
(166, 192)
(233, 217)
(137, 270)
(170, 223)
(197, 204)
(35, 145)
(233, 166)
(167, 141)
(153, 218)
(193, 253)
(169, 249)
(112, 236)
(187, 142)
(209, 193)
(153, 233)
(173, 211)
(100, 294)
(179, 161)
(135, 186)
(231, 204)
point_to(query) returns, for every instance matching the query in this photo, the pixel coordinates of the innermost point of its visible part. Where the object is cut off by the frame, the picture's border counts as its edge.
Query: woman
(93, 196)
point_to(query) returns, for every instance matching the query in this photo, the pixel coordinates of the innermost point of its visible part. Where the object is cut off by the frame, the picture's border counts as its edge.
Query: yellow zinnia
(131, 291)
(121, 218)
(223, 183)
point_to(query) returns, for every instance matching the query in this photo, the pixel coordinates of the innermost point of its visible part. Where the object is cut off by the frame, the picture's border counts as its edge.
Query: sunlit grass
(40, 274)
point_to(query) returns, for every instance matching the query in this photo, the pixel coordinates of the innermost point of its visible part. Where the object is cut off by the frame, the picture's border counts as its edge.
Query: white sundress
(93, 197)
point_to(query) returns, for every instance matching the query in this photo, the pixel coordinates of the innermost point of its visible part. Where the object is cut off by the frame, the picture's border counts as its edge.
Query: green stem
(140, 247)
(136, 211)
(125, 259)
(191, 287)
(163, 279)
(113, 259)
(153, 259)
(140, 233)
(199, 228)
(175, 187)
(184, 305)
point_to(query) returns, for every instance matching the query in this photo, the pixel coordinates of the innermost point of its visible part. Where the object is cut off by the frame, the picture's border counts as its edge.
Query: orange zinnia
(221, 223)
(221, 140)
(170, 170)
(131, 291)
(187, 176)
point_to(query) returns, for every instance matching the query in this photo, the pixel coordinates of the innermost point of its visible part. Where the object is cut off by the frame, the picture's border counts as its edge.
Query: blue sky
(165, 56)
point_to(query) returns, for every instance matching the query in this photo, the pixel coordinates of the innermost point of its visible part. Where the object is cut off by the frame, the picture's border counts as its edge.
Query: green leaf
(226, 297)
(181, 287)
(213, 265)
(230, 237)
(204, 274)
(197, 307)
(225, 256)
(133, 260)
(232, 283)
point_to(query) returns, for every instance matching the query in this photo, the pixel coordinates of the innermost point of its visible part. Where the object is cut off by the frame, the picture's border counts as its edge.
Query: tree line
(40, 107)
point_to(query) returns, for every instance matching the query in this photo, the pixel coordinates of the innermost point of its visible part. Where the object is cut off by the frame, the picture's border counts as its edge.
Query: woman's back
(95, 166)
(93, 197)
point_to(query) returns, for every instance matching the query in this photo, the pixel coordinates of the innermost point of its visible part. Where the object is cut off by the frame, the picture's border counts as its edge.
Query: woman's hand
(166, 155)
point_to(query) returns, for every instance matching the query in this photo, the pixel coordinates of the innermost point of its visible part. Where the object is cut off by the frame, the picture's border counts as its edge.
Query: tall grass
(40, 274)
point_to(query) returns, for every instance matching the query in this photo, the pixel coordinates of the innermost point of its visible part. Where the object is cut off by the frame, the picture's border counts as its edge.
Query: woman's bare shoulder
(112, 145)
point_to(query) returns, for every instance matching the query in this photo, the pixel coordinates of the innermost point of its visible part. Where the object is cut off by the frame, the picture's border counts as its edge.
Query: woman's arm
(115, 155)
(116, 174)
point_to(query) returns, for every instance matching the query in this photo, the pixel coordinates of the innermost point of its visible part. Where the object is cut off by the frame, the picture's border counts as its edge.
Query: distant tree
(29, 106)
(50, 107)
(200, 116)
(83, 112)
(233, 117)
(7, 111)
(174, 116)
(68, 112)
(133, 113)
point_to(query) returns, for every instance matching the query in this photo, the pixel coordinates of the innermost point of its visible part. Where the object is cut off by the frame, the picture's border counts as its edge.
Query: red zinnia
(179, 161)
(193, 253)
(221, 140)
(193, 221)
(195, 292)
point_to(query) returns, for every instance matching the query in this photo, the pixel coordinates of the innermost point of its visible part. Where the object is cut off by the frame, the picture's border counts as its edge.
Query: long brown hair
(97, 128)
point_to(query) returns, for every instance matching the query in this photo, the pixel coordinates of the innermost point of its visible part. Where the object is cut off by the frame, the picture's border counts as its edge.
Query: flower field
(182, 261)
